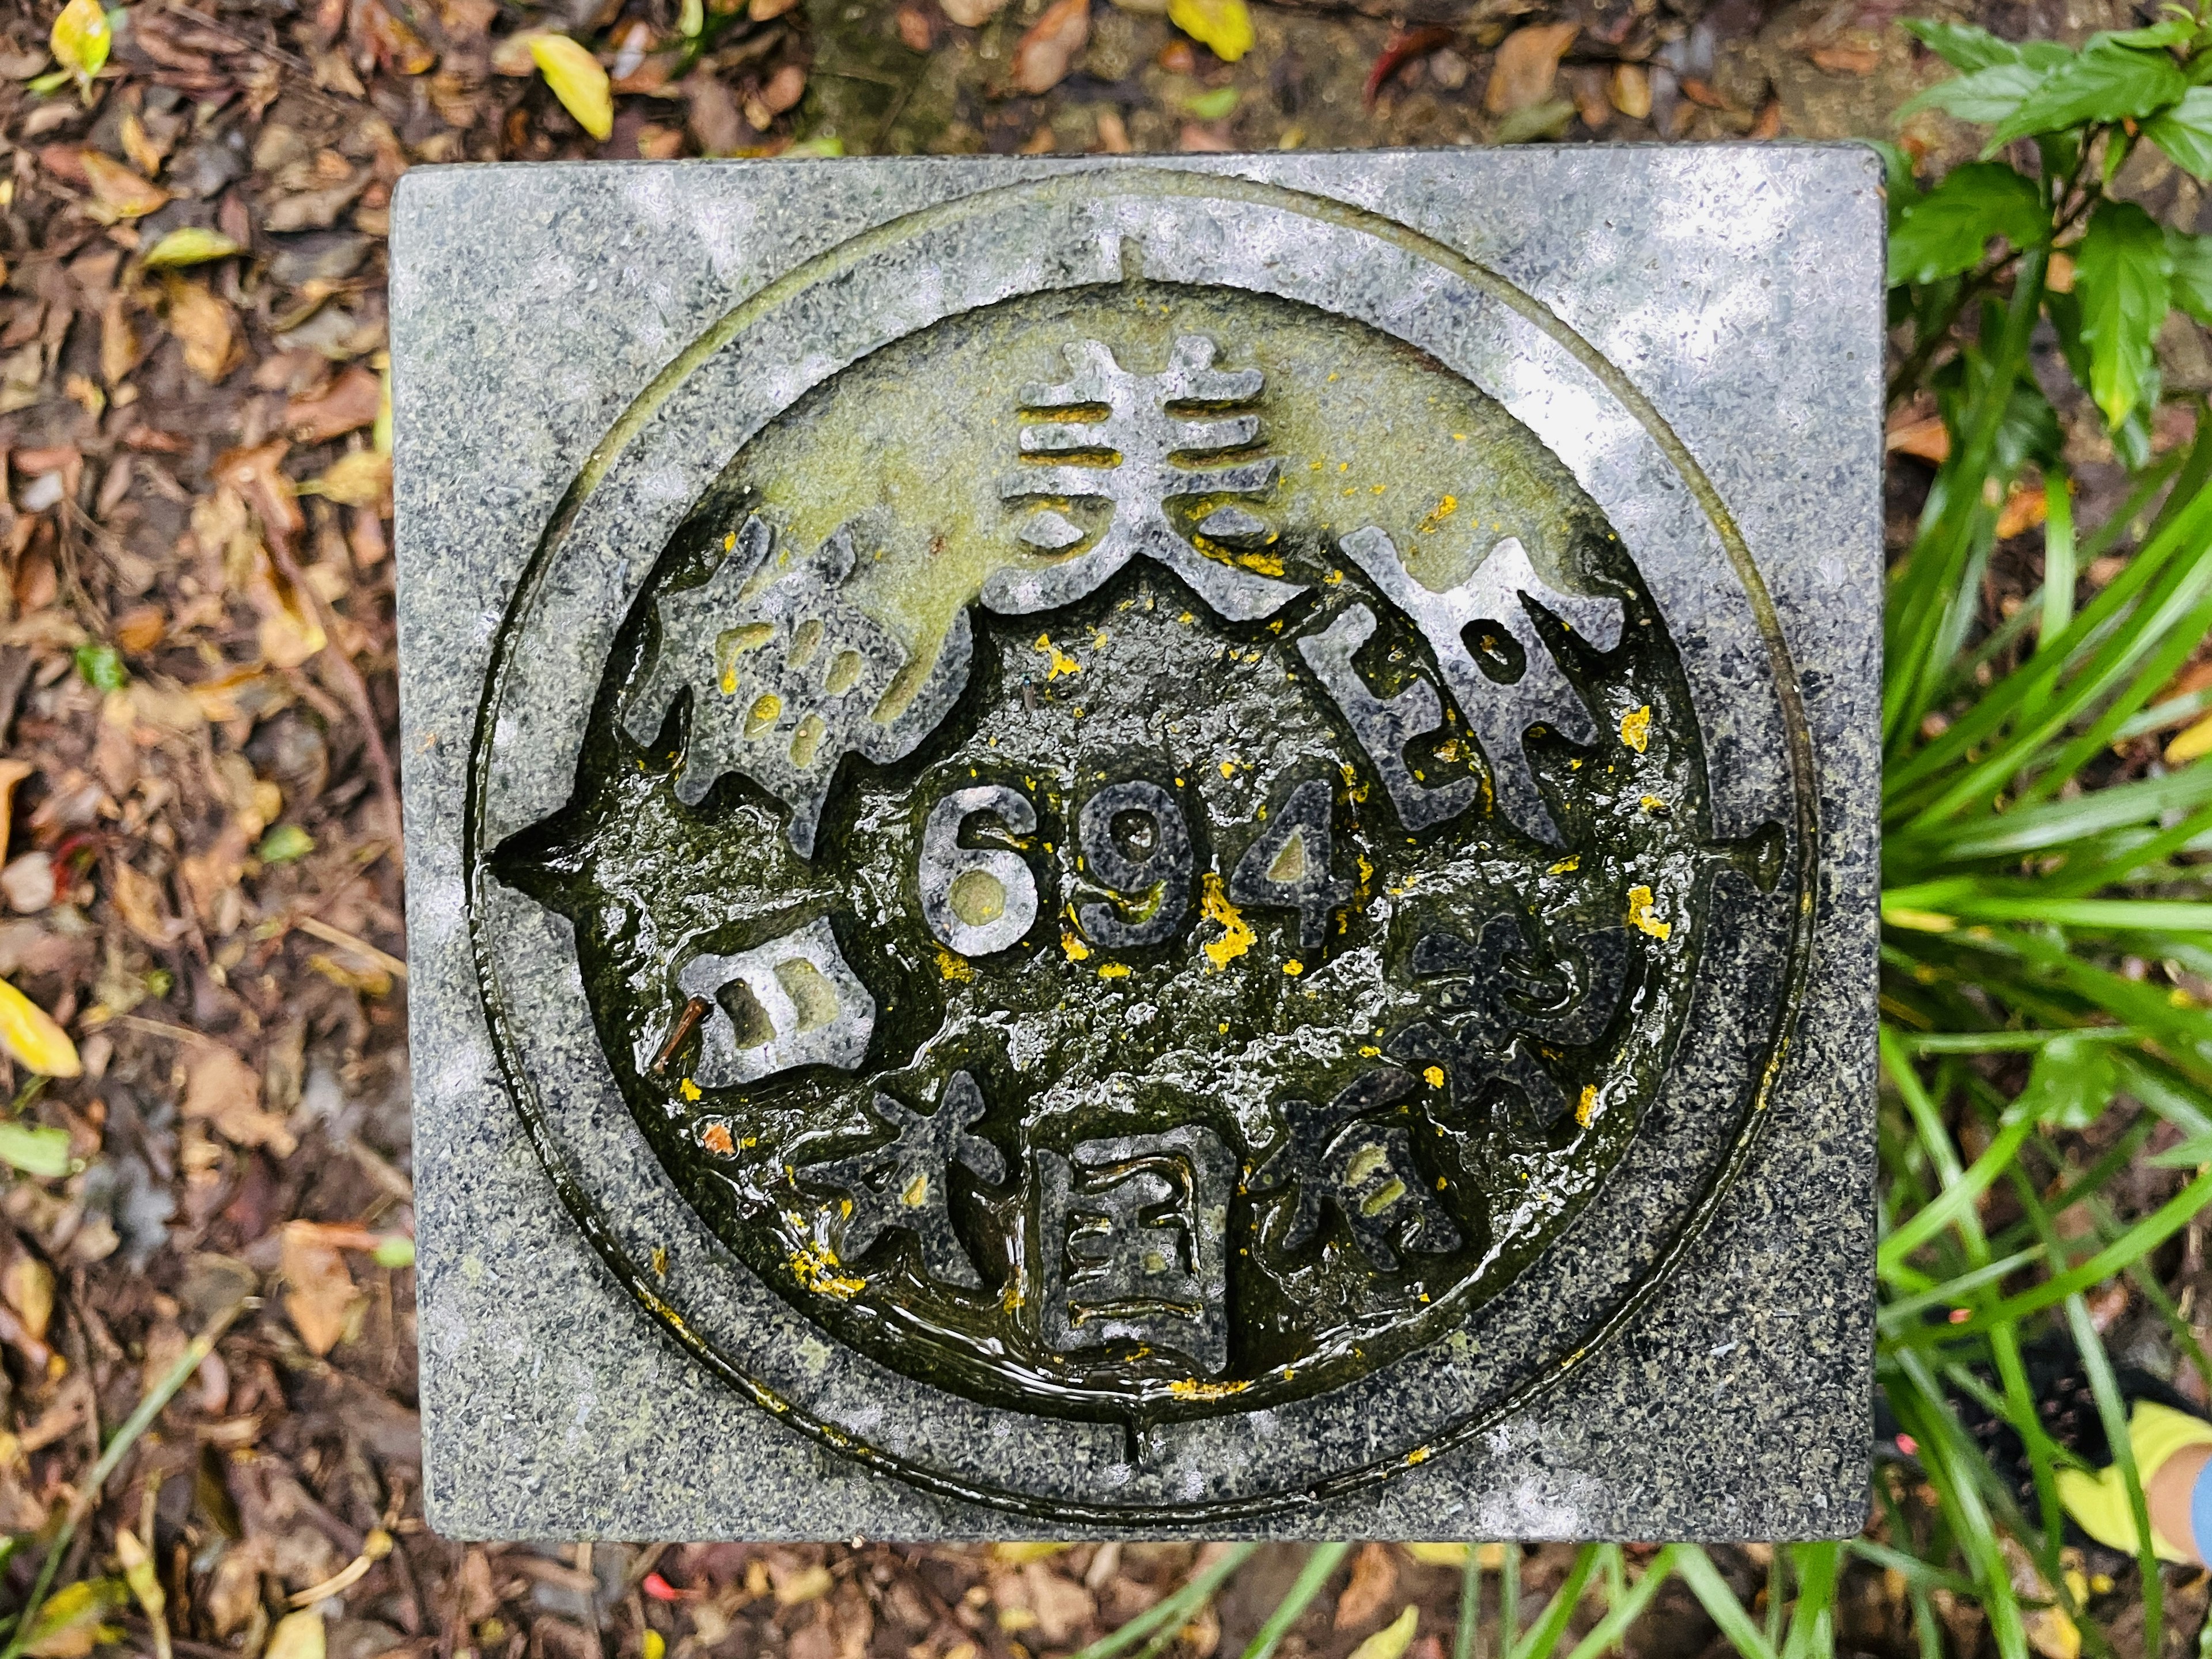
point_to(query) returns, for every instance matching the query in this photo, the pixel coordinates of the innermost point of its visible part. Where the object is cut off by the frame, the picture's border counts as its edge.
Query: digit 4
(1288, 867)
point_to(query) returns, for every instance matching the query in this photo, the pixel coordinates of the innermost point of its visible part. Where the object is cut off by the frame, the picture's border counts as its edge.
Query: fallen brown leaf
(319, 1293)
(1925, 438)
(137, 899)
(1845, 60)
(1373, 1584)
(12, 772)
(348, 404)
(784, 90)
(1047, 50)
(1528, 61)
(121, 193)
(222, 1089)
(206, 327)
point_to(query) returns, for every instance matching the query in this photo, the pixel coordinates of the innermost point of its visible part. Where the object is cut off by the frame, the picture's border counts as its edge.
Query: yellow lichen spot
(1419, 1455)
(1435, 1074)
(1442, 510)
(762, 714)
(1266, 564)
(1010, 1301)
(1237, 934)
(688, 1089)
(1334, 579)
(1185, 619)
(1294, 967)
(1654, 804)
(1567, 866)
(715, 1138)
(1076, 948)
(814, 1267)
(1229, 768)
(916, 1193)
(1636, 728)
(1369, 1051)
(953, 967)
(1057, 661)
(1193, 1389)
(730, 542)
(1114, 970)
(1641, 915)
(660, 1261)
(1586, 1105)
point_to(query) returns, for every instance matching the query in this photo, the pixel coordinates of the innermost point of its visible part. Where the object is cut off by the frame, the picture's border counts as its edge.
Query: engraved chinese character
(1163, 438)
(1332, 1155)
(1133, 1244)
(1500, 1005)
(904, 1184)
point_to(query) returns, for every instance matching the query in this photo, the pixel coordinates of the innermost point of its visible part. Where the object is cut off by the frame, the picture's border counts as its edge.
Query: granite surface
(1695, 334)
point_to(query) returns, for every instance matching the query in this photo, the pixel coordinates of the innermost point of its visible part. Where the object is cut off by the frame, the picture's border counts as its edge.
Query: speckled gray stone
(1695, 332)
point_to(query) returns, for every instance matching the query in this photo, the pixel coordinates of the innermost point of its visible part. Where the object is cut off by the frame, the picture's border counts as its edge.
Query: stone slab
(1422, 607)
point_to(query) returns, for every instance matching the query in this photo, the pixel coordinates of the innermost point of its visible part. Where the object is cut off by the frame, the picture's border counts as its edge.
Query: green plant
(2046, 901)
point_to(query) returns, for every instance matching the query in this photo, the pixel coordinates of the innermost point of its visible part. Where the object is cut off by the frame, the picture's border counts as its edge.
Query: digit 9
(1135, 844)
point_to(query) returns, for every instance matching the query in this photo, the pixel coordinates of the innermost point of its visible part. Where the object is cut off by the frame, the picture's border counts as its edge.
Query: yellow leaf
(80, 39)
(1393, 1639)
(1224, 27)
(190, 244)
(2194, 742)
(71, 1622)
(362, 478)
(297, 1636)
(1015, 1555)
(577, 80)
(30, 1035)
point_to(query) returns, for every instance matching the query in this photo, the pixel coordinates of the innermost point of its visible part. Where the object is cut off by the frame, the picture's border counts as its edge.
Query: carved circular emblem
(1138, 832)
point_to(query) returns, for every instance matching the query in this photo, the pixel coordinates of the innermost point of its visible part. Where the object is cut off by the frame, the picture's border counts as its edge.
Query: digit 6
(976, 899)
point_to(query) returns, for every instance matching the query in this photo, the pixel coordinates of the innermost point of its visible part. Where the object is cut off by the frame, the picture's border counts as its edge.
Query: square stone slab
(1144, 846)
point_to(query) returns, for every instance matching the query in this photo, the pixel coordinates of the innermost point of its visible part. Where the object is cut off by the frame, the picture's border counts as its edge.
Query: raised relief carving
(796, 1001)
(905, 1184)
(1337, 1155)
(1156, 438)
(785, 676)
(1134, 1244)
(1498, 713)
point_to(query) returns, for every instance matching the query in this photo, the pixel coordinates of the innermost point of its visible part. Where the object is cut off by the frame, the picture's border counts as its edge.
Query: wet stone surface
(1145, 849)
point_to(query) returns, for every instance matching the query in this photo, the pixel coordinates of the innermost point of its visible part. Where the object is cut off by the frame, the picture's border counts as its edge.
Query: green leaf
(35, 1150)
(2073, 1081)
(1212, 106)
(2173, 31)
(2124, 276)
(190, 244)
(73, 1619)
(102, 665)
(2107, 83)
(394, 1250)
(1984, 98)
(284, 843)
(1948, 231)
(1967, 48)
(2192, 271)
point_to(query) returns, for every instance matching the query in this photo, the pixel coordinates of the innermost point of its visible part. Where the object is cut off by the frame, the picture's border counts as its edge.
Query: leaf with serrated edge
(2107, 83)
(2122, 276)
(1946, 231)
(2185, 132)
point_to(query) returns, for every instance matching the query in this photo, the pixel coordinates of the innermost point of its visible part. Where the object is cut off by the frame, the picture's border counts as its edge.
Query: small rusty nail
(686, 1023)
